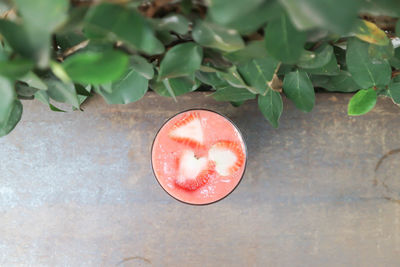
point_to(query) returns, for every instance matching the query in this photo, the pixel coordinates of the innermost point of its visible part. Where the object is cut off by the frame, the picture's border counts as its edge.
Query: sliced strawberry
(188, 131)
(193, 172)
(228, 157)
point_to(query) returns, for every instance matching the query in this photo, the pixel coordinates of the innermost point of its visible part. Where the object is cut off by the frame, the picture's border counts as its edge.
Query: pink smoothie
(166, 153)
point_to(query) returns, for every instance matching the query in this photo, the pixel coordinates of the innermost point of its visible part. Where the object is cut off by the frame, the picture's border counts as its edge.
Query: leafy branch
(239, 50)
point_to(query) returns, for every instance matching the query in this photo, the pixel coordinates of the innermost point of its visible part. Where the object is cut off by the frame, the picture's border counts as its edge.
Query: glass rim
(245, 152)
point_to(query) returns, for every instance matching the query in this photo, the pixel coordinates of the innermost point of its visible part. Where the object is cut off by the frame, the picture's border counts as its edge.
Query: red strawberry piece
(228, 157)
(188, 131)
(193, 172)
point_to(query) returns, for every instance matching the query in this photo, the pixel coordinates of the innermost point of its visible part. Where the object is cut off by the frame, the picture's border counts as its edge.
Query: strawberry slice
(193, 172)
(188, 131)
(228, 157)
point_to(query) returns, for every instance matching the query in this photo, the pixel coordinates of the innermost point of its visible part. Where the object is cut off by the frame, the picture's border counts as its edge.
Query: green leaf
(215, 36)
(258, 73)
(233, 78)
(366, 72)
(250, 22)
(140, 65)
(330, 69)
(271, 107)
(29, 42)
(394, 91)
(33, 81)
(395, 60)
(380, 52)
(339, 83)
(362, 102)
(16, 68)
(317, 58)
(114, 22)
(370, 33)
(381, 7)
(210, 79)
(397, 29)
(95, 67)
(227, 11)
(81, 90)
(10, 107)
(130, 88)
(230, 93)
(334, 15)
(179, 86)
(253, 50)
(62, 92)
(25, 91)
(43, 14)
(181, 60)
(283, 41)
(298, 88)
(175, 23)
(56, 109)
(43, 97)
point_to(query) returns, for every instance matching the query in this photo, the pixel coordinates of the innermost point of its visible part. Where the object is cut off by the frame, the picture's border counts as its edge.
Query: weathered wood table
(77, 189)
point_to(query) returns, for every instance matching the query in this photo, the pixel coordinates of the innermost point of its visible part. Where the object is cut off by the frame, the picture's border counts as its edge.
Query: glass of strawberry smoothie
(198, 156)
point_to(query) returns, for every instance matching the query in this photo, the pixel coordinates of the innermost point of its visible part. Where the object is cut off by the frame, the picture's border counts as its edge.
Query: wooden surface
(77, 189)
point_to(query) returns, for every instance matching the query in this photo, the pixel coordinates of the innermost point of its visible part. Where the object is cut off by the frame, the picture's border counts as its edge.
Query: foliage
(67, 50)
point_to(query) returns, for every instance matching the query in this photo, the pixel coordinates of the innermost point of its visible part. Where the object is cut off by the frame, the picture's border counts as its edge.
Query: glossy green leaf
(81, 90)
(33, 81)
(230, 93)
(298, 88)
(214, 36)
(252, 50)
(249, 22)
(115, 22)
(216, 59)
(31, 43)
(175, 22)
(10, 107)
(395, 60)
(330, 69)
(16, 68)
(366, 72)
(210, 78)
(43, 14)
(227, 11)
(258, 73)
(370, 33)
(62, 92)
(362, 102)
(233, 77)
(271, 107)
(335, 15)
(96, 68)
(317, 58)
(179, 86)
(343, 82)
(25, 91)
(43, 97)
(140, 65)
(394, 91)
(397, 29)
(131, 87)
(381, 7)
(181, 60)
(283, 41)
(380, 52)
